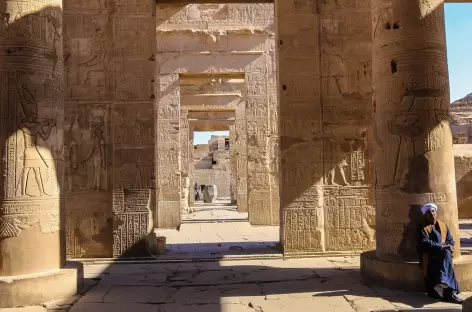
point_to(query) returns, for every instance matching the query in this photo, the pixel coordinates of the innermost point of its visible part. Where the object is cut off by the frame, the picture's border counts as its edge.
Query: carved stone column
(32, 253)
(191, 170)
(412, 138)
(234, 164)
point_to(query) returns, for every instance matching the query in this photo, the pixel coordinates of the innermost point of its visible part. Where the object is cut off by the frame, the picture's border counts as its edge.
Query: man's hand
(450, 247)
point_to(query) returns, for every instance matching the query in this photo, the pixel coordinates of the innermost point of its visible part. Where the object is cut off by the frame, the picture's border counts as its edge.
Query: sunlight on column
(429, 6)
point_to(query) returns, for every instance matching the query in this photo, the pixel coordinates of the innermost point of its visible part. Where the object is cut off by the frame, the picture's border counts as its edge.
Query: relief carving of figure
(73, 138)
(340, 166)
(31, 129)
(95, 63)
(353, 158)
(97, 153)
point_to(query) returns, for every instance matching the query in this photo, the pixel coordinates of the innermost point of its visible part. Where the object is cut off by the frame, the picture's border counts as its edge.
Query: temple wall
(214, 177)
(463, 170)
(109, 49)
(195, 41)
(324, 73)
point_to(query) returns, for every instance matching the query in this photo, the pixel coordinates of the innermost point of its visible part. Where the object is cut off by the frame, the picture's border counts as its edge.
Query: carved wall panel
(89, 225)
(88, 54)
(131, 222)
(349, 218)
(110, 123)
(191, 40)
(168, 151)
(87, 147)
(326, 58)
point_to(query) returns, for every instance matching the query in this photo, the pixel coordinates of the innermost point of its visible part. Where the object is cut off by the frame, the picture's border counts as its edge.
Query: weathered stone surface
(132, 223)
(210, 193)
(412, 138)
(325, 198)
(234, 39)
(412, 134)
(463, 170)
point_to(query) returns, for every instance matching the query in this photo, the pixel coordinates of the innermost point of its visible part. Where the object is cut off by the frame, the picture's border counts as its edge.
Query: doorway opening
(214, 179)
(222, 64)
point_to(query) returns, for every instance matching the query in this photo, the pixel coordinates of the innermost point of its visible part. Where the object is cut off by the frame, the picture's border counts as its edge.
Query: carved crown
(28, 101)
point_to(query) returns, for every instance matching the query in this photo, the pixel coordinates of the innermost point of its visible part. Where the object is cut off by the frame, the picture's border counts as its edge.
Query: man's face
(431, 216)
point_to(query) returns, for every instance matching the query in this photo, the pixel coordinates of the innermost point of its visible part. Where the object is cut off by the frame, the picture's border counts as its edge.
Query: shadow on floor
(236, 286)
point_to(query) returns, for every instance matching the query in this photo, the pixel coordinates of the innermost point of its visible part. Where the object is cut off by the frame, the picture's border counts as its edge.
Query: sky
(459, 48)
(459, 55)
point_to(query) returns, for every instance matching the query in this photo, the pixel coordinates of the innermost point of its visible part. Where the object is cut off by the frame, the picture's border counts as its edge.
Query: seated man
(435, 248)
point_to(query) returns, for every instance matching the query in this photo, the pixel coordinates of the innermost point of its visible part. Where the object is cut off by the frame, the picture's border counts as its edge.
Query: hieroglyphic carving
(31, 108)
(349, 218)
(301, 232)
(131, 220)
(19, 214)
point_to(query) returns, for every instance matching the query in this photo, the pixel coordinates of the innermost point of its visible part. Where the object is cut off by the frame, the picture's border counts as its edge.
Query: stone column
(32, 251)
(258, 174)
(300, 124)
(241, 156)
(233, 163)
(191, 169)
(167, 150)
(184, 161)
(414, 160)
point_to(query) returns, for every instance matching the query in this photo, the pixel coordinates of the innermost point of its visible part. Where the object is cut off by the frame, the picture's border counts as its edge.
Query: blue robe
(437, 262)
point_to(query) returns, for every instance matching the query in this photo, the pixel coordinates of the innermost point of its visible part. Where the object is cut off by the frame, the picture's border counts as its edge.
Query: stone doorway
(216, 65)
(214, 166)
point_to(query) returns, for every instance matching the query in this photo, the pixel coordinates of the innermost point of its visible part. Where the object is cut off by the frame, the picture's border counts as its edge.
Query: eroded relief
(31, 107)
(88, 56)
(33, 161)
(87, 148)
(349, 218)
(131, 222)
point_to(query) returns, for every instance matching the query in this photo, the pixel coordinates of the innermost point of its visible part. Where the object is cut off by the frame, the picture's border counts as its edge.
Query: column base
(408, 276)
(28, 290)
(467, 305)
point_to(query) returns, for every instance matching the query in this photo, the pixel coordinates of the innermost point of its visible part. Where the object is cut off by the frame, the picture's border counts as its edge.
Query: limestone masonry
(338, 117)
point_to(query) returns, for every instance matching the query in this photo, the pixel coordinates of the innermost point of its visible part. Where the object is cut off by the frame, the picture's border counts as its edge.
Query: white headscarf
(427, 207)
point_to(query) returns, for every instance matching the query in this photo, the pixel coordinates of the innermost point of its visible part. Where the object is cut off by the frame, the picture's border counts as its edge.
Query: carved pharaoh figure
(31, 129)
(72, 150)
(97, 153)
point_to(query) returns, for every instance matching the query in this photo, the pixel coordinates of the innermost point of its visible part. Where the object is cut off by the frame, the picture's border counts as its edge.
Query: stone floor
(253, 285)
(316, 284)
(215, 240)
(221, 209)
(228, 239)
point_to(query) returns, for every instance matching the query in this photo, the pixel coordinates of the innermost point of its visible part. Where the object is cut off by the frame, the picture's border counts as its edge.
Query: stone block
(463, 170)
(89, 228)
(131, 223)
(467, 305)
(209, 193)
(29, 290)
